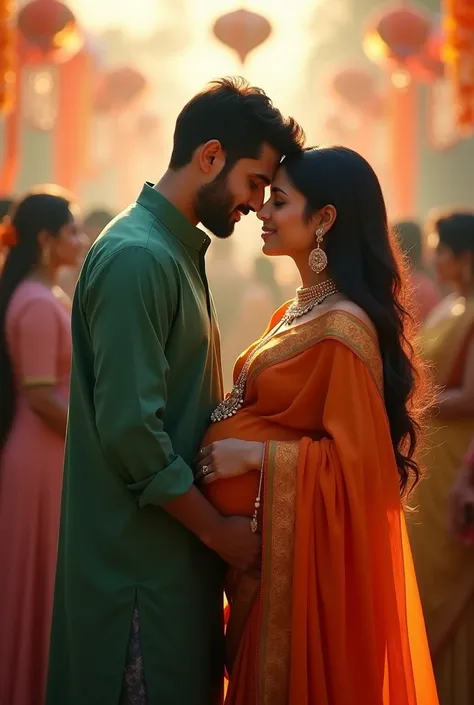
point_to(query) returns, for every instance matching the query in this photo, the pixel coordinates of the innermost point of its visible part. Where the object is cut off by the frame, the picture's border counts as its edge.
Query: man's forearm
(198, 515)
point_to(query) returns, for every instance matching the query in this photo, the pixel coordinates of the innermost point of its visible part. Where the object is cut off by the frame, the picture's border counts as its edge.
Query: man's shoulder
(133, 240)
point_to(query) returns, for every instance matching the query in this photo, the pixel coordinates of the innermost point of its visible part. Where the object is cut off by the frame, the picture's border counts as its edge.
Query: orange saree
(335, 618)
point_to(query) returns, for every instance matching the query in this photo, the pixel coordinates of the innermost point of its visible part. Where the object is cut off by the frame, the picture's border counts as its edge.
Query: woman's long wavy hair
(46, 209)
(367, 264)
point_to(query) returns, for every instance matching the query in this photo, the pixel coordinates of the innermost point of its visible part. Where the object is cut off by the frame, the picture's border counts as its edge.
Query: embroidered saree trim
(334, 325)
(273, 667)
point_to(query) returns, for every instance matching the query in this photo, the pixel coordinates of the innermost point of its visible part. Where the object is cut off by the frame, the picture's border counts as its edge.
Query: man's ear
(211, 158)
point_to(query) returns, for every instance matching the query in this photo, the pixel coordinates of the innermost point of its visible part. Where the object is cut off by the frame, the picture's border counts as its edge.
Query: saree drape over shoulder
(445, 568)
(335, 618)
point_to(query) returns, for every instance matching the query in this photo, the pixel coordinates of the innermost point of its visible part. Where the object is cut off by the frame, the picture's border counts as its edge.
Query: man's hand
(236, 544)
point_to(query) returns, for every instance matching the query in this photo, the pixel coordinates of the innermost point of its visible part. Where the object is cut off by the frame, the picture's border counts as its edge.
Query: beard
(214, 207)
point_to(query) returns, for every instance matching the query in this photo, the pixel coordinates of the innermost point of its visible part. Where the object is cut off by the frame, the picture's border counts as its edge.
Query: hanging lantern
(397, 34)
(118, 88)
(50, 30)
(243, 31)
(7, 57)
(458, 53)
(356, 87)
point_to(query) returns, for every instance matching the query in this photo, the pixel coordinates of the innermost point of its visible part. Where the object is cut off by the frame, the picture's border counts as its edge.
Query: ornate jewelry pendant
(228, 407)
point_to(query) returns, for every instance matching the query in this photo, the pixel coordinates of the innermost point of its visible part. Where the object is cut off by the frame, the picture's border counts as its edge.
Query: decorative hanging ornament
(50, 29)
(118, 88)
(397, 33)
(243, 31)
(357, 88)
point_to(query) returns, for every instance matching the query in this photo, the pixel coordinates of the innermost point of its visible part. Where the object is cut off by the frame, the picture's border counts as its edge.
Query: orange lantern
(243, 31)
(50, 30)
(118, 88)
(397, 34)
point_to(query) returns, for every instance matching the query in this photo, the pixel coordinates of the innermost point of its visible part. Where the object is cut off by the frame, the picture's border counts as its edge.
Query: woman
(445, 568)
(306, 435)
(35, 349)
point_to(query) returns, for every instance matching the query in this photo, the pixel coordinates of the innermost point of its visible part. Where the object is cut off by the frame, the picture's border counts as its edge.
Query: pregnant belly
(236, 496)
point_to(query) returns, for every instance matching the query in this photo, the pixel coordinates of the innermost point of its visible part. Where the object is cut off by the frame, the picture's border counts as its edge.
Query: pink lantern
(243, 31)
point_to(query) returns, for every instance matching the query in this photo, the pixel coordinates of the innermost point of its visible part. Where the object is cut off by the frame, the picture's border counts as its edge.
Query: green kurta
(145, 377)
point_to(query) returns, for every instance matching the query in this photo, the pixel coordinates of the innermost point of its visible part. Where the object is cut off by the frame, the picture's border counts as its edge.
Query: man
(139, 581)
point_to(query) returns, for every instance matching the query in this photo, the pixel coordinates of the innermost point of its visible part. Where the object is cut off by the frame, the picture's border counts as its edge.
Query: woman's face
(285, 229)
(68, 248)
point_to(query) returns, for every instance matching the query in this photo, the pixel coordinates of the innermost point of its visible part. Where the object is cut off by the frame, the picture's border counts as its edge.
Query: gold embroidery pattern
(277, 583)
(335, 325)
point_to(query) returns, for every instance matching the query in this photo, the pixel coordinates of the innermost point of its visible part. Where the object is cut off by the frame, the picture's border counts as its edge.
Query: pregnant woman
(316, 446)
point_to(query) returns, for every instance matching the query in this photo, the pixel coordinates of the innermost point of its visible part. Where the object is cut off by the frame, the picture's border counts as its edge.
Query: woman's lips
(267, 234)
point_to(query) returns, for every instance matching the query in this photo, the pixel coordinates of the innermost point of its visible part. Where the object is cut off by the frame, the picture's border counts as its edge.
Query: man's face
(220, 204)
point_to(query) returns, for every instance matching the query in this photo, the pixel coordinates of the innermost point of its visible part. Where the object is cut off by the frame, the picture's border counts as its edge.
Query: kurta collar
(173, 219)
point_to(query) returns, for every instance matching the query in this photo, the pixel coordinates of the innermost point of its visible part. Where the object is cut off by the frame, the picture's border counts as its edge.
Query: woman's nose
(264, 212)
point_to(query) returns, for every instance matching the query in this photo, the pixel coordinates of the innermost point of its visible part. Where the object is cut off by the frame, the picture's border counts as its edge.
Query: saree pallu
(335, 617)
(445, 568)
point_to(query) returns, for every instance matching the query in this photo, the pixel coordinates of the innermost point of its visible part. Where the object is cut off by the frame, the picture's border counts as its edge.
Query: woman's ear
(325, 218)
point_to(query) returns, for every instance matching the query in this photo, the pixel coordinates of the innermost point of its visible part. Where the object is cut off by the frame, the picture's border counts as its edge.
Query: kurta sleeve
(38, 341)
(129, 306)
(354, 617)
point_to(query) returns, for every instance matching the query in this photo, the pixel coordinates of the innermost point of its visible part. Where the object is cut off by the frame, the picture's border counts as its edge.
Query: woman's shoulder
(346, 310)
(346, 325)
(31, 296)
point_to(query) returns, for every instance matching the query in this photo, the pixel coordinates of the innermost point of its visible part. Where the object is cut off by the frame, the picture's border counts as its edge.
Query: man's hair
(240, 116)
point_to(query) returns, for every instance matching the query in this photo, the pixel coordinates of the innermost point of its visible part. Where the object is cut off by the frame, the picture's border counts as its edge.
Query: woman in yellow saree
(445, 567)
(313, 446)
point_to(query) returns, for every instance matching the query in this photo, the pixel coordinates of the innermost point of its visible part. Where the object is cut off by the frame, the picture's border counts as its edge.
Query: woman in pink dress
(35, 349)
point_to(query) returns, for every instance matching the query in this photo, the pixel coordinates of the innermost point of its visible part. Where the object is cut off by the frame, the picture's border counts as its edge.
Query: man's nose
(257, 202)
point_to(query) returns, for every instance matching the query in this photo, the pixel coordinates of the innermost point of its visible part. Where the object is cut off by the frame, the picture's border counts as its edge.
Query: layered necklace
(306, 299)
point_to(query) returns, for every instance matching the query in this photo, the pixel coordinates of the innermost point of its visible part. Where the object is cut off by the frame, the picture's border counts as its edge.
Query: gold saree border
(273, 668)
(334, 325)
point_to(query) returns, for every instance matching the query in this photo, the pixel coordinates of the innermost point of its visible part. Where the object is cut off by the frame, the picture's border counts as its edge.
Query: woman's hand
(228, 458)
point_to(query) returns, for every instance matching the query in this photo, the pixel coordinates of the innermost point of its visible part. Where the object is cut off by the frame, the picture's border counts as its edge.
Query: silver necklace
(306, 299)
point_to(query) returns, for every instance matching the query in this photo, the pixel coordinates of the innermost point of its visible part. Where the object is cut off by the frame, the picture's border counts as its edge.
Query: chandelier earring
(318, 260)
